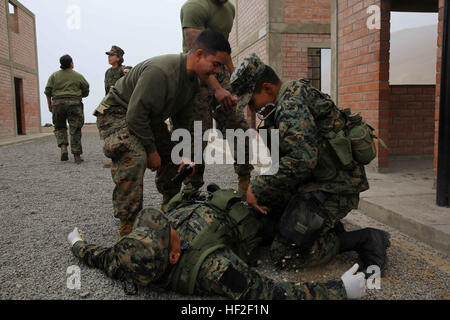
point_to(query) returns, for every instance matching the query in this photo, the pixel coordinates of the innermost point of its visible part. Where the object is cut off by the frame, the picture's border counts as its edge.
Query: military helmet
(244, 78)
(115, 51)
(146, 257)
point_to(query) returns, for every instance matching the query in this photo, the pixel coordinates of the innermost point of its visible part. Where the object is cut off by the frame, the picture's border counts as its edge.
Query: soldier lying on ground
(200, 246)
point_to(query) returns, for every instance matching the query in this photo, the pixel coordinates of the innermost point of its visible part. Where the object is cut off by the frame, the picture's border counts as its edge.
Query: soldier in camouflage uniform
(117, 71)
(115, 59)
(198, 15)
(189, 250)
(310, 182)
(65, 90)
(131, 119)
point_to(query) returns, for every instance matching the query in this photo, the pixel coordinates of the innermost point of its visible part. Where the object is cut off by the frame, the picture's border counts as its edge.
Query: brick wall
(411, 130)
(363, 64)
(438, 83)
(4, 51)
(23, 42)
(7, 101)
(311, 11)
(22, 64)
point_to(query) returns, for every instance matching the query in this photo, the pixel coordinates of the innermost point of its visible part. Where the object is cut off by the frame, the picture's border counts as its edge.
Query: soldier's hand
(355, 284)
(74, 237)
(253, 202)
(226, 99)
(187, 162)
(154, 161)
(50, 108)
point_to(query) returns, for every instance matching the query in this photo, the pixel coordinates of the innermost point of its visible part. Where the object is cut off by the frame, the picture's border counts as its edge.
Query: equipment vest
(235, 227)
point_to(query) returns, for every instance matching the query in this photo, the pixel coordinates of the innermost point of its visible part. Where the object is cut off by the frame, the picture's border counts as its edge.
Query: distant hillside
(413, 56)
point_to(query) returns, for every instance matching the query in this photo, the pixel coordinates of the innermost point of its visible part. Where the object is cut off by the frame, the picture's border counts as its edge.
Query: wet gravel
(42, 199)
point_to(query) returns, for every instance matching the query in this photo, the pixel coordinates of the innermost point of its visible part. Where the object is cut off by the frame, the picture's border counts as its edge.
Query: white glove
(355, 284)
(74, 236)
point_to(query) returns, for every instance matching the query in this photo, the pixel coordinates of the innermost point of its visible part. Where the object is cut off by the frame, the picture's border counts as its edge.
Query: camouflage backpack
(347, 136)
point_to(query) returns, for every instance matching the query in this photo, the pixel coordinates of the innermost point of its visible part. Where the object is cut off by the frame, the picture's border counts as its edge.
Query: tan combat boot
(64, 153)
(107, 164)
(78, 159)
(243, 183)
(125, 227)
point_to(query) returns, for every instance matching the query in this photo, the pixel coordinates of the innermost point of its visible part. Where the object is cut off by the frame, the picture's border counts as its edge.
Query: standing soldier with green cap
(196, 16)
(131, 119)
(115, 59)
(117, 71)
(313, 188)
(65, 90)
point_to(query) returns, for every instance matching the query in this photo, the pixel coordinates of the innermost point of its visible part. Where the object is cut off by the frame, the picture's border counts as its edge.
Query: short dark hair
(65, 61)
(211, 41)
(268, 76)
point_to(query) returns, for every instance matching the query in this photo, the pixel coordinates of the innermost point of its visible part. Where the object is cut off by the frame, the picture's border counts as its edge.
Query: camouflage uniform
(203, 14)
(111, 77)
(70, 110)
(131, 119)
(66, 88)
(305, 164)
(142, 257)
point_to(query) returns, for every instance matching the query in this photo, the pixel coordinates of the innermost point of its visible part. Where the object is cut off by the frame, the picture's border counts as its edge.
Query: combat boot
(125, 227)
(243, 183)
(369, 243)
(64, 153)
(78, 159)
(107, 164)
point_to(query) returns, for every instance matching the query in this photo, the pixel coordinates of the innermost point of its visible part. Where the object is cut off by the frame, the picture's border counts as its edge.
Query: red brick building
(19, 84)
(289, 34)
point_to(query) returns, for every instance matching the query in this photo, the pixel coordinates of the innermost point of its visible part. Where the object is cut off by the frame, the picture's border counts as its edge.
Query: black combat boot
(212, 187)
(369, 243)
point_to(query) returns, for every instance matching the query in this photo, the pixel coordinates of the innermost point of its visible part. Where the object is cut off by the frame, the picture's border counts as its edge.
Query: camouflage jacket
(302, 113)
(111, 77)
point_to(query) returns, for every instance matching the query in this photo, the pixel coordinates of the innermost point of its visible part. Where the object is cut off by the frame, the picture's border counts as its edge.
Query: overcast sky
(142, 28)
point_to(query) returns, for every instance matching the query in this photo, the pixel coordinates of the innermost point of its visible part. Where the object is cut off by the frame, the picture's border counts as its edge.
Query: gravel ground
(42, 199)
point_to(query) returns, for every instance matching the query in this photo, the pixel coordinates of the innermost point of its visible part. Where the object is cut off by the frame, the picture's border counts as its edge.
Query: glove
(355, 284)
(74, 236)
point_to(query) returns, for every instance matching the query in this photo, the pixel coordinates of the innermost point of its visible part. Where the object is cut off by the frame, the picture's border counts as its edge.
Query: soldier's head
(255, 83)
(115, 56)
(157, 221)
(66, 62)
(126, 69)
(210, 51)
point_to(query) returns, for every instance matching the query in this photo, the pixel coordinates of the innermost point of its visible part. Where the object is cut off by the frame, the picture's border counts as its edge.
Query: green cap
(115, 51)
(244, 77)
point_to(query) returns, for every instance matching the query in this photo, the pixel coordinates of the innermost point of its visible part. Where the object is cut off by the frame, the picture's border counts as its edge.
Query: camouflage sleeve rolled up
(99, 257)
(298, 151)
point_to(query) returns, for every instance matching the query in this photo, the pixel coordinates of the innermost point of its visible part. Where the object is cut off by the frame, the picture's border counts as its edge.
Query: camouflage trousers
(68, 110)
(325, 246)
(129, 161)
(223, 273)
(205, 111)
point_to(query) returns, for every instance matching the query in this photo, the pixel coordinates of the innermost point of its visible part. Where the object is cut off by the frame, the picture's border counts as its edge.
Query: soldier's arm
(49, 87)
(298, 140)
(99, 257)
(194, 19)
(84, 87)
(106, 82)
(148, 100)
